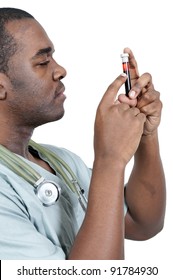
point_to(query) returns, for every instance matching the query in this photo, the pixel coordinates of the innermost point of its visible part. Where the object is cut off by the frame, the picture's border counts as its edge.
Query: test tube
(125, 64)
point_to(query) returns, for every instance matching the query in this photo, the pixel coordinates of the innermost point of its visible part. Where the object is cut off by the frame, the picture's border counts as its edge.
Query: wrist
(109, 163)
(148, 147)
(149, 137)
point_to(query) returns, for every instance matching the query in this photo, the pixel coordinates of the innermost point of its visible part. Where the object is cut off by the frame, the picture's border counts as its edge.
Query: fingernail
(123, 75)
(132, 94)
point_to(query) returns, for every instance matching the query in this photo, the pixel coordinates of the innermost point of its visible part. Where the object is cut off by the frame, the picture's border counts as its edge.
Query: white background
(89, 37)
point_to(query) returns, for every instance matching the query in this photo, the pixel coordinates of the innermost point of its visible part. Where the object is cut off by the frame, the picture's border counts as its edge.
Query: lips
(59, 91)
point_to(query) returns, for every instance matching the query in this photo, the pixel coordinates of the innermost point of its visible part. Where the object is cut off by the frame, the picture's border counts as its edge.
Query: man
(31, 94)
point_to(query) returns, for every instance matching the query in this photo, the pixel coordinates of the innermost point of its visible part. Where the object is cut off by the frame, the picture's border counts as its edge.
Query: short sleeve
(19, 237)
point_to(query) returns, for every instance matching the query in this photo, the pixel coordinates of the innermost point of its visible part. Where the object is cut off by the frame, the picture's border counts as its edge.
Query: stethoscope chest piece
(48, 192)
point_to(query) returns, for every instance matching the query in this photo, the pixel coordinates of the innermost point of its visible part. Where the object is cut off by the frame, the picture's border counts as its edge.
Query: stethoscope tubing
(24, 170)
(19, 166)
(55, 159)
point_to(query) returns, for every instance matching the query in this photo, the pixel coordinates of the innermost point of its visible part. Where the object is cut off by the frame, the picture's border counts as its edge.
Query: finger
(123, 106)
(141, 117)
(134, 72)
(152, 109)
(148, 97)
(144, 82)
(135, 111)
(111, 92)
(116, 102)
(124, 99)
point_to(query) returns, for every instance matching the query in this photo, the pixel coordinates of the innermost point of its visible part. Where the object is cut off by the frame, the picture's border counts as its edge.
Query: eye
(44, 63)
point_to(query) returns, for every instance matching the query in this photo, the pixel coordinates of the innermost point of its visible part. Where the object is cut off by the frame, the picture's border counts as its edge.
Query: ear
(3, 89)
(3, 93)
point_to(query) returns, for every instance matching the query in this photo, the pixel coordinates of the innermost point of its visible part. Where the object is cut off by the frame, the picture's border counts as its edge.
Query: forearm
(145, 193)
(102, 233)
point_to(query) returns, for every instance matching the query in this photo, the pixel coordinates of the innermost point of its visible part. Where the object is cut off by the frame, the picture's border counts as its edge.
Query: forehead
(29, 35)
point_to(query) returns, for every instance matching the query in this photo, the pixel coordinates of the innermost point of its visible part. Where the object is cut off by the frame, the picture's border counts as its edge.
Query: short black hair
(8, 45)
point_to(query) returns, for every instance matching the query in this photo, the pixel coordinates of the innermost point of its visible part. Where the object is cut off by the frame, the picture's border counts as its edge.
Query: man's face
(35, 92)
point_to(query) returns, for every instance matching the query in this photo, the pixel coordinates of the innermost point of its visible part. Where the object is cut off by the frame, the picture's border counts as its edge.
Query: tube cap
(125, 57)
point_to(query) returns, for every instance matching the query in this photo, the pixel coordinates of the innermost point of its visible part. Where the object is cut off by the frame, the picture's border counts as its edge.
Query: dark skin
(33, 94)
(145, 219)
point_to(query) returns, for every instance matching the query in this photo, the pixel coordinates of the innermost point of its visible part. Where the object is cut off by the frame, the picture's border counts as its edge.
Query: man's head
(7, 43)
(30, 79)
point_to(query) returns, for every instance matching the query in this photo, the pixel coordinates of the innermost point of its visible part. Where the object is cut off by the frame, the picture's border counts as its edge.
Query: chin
(58, 116)
(61, 115)
(49, 119)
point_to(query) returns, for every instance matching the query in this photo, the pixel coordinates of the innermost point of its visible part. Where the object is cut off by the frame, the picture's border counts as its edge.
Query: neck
(16, 139)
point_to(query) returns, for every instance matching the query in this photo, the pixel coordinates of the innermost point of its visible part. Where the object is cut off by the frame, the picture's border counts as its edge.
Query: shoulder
(73, 160)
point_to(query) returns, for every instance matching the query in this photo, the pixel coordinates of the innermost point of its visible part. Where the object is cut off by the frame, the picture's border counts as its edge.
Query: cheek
(24, 78)
(29, 86)
(22, 83)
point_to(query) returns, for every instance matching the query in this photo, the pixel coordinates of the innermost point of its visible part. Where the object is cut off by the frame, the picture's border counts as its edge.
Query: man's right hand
(118, 127)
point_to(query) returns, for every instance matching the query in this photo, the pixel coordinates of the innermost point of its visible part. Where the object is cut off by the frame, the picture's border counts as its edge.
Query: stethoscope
(47, 191)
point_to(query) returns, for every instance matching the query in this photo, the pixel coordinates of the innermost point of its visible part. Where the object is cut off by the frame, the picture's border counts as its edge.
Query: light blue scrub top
(29, 230)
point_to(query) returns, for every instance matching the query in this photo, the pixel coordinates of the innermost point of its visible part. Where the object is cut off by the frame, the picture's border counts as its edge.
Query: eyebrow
(42, 52)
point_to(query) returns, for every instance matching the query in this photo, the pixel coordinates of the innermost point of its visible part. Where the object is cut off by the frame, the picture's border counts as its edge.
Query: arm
(102, 233)
(145, 192)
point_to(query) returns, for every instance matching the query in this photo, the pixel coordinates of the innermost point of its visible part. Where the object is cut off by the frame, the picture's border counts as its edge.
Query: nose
(59, 72)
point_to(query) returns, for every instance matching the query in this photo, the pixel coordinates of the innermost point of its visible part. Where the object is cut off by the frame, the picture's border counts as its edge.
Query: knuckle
(124, 106)
(148, 75)
(147, 96)
(144, 110)
(137, 87)
(154, 93)
(157, 93)
(161, 104)
(135, 110)
(141, 118)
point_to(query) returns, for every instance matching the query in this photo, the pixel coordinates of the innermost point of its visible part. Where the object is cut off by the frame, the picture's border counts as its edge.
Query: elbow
(142, 231)
(154, 227)
(148, 232)
(153, 231)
